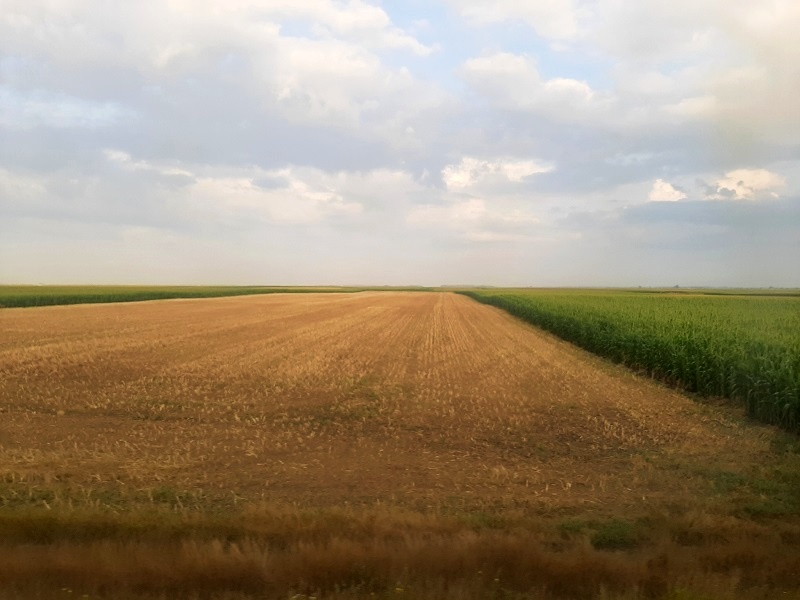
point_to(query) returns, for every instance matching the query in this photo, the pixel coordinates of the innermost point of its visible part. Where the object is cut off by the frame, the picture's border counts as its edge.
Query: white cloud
(473, 171)
(338, 83)
(473, 210)
(512, 81)
(332, 74)
(621, 159)
(697, 107)
(41, 108)
(296, 194)
(207, 196)
(748, 184)
(292, 199)
(494, 236)
(474, 219)
(125, 161)
(665, 192)
(457, 213)
(171, 29)
(732, 64)
(552, 19)
(295, 201)
(20, 190)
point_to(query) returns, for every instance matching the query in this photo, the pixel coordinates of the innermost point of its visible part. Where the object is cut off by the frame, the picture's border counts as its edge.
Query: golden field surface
(376, 444)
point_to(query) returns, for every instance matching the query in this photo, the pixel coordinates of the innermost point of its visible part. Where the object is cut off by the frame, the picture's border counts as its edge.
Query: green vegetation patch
(20, 296)
(614, 534)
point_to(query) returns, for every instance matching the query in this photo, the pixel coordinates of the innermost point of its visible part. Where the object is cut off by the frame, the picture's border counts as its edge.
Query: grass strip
(269, 552)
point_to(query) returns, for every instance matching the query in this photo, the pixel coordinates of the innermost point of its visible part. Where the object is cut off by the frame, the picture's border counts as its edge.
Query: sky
(416, 142)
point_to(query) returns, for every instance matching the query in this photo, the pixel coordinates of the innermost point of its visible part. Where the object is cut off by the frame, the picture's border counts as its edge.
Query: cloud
(330, 73)
(184, 28)
(693, 108)
(42, 108)
(512, 81)
(248, 196)
(690, 243)
(621, 159)
(633, 103)
(665, 192)
(748, 184)
(135, 193)
(552, 19)
(482, 200)
(126, 162)
(20, 190)
(475, 220)
(295, 201)
(471, 171)
(468, 211)
(732, 64)
(339, 84)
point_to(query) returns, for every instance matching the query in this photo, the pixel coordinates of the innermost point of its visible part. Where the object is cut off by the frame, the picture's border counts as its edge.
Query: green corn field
(25, 296)
(738, 346)
(21, 296)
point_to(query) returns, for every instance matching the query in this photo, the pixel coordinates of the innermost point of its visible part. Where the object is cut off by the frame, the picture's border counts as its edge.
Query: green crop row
(31, 295)
(21, 296)
(740, 347)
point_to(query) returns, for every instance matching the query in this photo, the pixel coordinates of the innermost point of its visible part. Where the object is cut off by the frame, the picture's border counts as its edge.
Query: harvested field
(423, 404)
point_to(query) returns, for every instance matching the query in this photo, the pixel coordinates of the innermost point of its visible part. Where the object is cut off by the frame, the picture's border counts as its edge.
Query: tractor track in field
(421, 399)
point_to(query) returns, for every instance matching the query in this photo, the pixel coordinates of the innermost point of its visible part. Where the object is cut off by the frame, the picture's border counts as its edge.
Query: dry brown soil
(426, 400)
